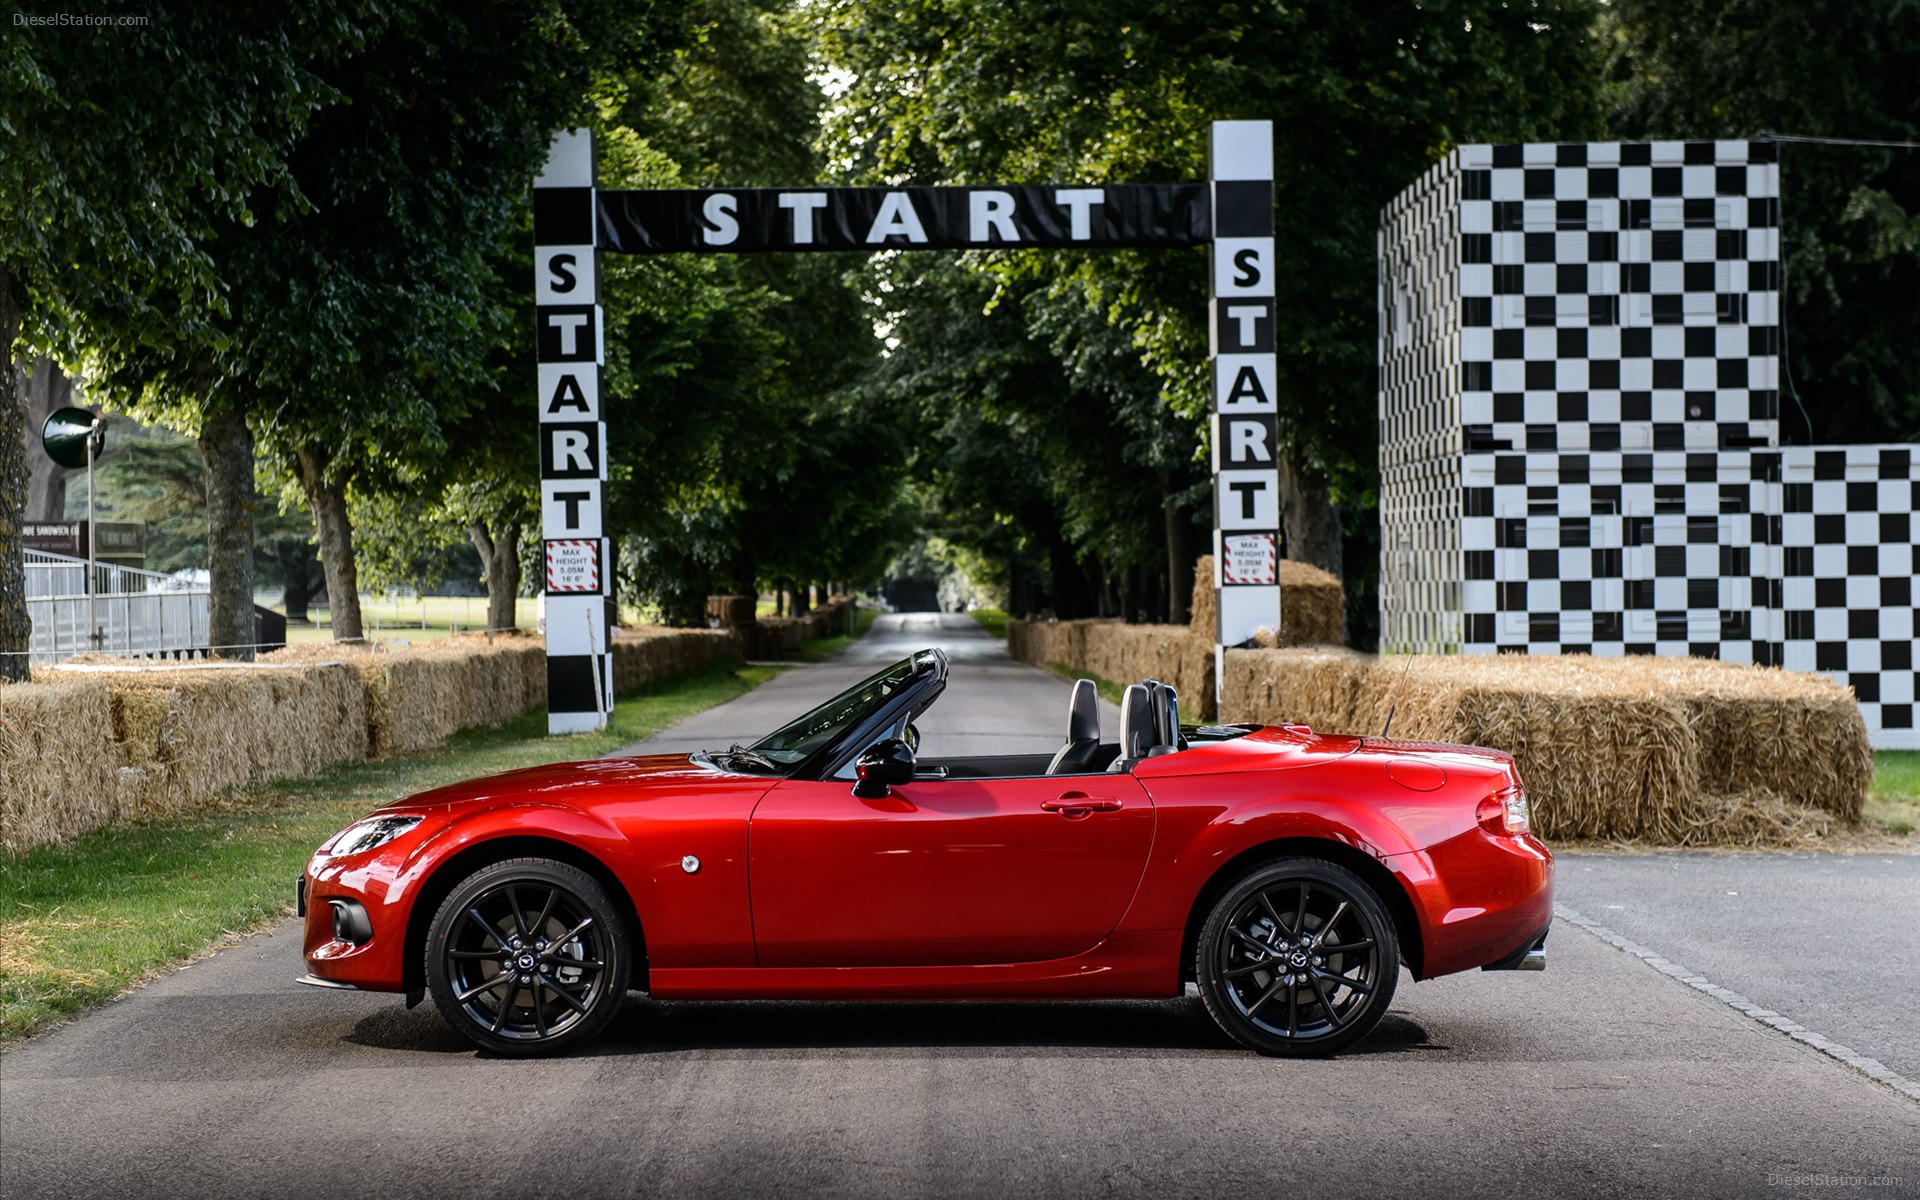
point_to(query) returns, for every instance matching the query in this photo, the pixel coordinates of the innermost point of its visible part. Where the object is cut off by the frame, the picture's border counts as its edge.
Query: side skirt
(1131, 966)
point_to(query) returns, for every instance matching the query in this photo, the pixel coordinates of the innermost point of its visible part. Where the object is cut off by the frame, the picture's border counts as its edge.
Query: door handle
(1075, 803)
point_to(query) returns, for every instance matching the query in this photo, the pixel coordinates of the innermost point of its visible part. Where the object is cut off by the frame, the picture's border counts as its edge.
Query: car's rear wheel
(1297, 957)
(528, 956)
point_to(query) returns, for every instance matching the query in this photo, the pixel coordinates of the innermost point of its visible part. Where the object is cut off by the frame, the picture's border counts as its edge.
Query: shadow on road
(1142, 1028)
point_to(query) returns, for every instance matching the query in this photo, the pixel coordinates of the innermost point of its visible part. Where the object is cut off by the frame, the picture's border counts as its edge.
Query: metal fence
(130, 613)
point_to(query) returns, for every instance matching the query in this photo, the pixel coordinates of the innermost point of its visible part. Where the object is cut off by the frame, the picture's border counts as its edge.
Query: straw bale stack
(646, 655)
(55, 756)
(1670, 751)
(1313, 605)
(778, 635)
(417, 696)
(88, 750)
(85, 749)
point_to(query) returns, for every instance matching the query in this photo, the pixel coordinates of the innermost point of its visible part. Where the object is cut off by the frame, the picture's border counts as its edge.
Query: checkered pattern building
(1579, 415)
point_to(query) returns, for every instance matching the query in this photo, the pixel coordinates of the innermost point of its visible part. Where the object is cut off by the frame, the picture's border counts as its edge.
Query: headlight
(365, 835)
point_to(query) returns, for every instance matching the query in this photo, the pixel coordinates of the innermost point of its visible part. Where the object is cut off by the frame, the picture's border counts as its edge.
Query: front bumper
(352, 933)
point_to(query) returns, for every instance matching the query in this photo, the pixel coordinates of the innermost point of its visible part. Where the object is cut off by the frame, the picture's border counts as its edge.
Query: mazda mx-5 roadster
(1287, 874)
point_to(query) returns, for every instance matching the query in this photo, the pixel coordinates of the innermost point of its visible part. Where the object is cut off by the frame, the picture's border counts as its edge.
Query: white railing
(130, 613)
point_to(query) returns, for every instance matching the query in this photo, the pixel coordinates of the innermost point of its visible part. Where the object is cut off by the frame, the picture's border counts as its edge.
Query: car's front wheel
(1297, 957)
(528, 956)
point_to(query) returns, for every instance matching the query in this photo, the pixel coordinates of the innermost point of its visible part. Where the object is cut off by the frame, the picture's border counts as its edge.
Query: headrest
(1166, 715)
(1083, 712)
(1136, 722)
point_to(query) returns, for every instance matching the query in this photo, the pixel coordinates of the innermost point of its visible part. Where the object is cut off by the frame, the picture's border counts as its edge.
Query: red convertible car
(1288, 874)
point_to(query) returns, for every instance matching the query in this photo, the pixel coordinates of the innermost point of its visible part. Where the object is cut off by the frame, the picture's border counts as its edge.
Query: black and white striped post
(1232, 212)
(569, 336)
(1246, 467)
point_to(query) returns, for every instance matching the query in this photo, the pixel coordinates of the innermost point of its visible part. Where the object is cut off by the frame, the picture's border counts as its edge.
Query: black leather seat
(1083, 732)
(1137, 726)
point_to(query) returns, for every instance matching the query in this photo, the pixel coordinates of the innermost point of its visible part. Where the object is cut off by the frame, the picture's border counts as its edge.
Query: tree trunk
(1311, 522)
(16, 627)
(226, 459)
(296, 568)
(501, 555)
(797, 605)
(47, 388)
(1310, 518)
(327, 498)
(1179, 553)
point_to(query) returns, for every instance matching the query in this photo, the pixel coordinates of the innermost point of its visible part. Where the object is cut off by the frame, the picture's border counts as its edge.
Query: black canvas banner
(1057, 216)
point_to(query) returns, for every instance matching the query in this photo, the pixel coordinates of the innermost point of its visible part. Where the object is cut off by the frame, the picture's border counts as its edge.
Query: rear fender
(1198, 841)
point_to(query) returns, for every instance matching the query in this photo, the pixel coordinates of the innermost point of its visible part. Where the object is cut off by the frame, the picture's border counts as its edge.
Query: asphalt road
(1599, 1076)
(992, 705)
(1833, 940)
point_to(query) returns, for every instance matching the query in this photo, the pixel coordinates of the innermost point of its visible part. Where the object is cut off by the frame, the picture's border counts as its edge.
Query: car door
(944, 872)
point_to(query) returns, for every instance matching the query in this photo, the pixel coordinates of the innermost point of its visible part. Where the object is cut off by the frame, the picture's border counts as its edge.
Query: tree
(123, 149)
(1364, 97)
(361, 318)
(1850, 215)
(739, 453)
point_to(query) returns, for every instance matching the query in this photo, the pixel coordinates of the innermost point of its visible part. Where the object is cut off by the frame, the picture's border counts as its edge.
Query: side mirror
(880, 766)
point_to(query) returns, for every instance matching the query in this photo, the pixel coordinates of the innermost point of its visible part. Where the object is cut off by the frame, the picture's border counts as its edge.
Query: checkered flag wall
(1579, 412)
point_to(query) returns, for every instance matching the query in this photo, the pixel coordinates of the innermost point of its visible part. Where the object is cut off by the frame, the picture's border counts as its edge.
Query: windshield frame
(924, 679)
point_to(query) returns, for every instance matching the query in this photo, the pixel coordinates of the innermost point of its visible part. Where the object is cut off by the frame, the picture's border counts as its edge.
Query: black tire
(1275, 988)
(551, 925)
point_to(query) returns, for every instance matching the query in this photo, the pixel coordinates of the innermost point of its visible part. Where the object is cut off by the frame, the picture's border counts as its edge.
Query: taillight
(1505, 812)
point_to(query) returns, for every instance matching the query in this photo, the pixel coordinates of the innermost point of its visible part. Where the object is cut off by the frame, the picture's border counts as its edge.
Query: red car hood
(578, 780)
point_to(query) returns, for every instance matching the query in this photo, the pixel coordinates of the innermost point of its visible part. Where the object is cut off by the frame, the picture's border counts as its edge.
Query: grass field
(421, 618)
(992, 620)
(81, 923)
(1894, 803)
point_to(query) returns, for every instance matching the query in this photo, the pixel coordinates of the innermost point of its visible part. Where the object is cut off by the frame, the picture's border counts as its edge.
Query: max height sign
(573, 221)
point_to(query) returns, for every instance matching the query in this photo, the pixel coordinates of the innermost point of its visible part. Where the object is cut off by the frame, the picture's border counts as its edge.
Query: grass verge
(82, 922)
(826, 647)
(1109, 690)
(1894, 803)
(992, 620)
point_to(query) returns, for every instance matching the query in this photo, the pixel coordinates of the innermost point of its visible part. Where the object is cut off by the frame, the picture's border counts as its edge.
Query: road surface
(1600, 1076)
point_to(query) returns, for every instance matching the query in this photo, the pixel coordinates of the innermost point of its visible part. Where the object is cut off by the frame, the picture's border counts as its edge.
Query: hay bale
(1668, 751)
(1203, 612)
(646, 655)
(417, 696)
(1313, 606)
(58, 759)
(1765, 732)
(1122, 654)
(143, 739)
(732, 610)
(165, 739)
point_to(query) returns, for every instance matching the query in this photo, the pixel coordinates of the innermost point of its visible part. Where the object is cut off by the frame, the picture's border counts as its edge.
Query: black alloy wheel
(1297, 958)
(528, 956)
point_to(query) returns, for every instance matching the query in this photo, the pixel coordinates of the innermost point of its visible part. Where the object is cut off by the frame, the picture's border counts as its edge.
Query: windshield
(793, 742)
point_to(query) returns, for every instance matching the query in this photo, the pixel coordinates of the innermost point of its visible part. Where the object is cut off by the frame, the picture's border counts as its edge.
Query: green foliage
(125, 150)
(1850, 214)
(1364, 97)
(741, 451)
